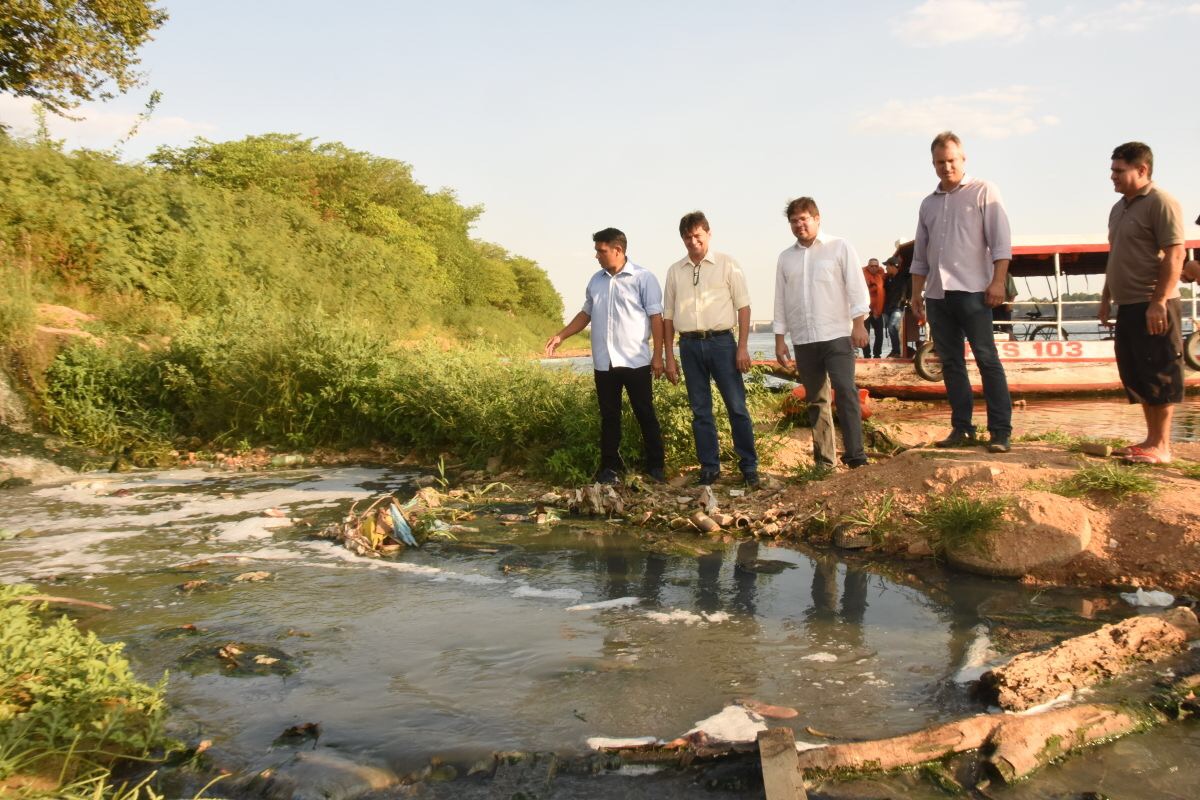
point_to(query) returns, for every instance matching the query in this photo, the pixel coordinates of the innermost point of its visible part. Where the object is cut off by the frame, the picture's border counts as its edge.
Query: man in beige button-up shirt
(704, 299)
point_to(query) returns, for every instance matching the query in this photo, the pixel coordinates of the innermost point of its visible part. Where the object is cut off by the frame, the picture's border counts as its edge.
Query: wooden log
(782, 779)
(1022, 744)
(1031, 679)
(61, 601)
(903, 751)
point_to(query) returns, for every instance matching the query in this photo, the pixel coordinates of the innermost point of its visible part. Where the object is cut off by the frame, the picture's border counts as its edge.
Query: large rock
(12, 408)
(1042, 530)
(319, 775)
(28, 470)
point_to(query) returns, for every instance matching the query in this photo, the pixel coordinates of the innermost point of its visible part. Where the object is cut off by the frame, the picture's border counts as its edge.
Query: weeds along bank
(311, 383)
(70, 708)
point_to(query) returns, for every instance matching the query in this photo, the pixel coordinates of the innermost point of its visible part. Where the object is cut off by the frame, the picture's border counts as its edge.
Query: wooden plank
(782, 779)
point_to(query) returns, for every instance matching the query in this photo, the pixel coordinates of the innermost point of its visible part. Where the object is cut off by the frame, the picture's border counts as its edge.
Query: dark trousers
(875, 341)
(709, 361)
(636, 381)
(821, 364)
(964, 316)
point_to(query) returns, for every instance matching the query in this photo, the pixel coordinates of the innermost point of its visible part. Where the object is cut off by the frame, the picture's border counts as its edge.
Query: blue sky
(562, 118)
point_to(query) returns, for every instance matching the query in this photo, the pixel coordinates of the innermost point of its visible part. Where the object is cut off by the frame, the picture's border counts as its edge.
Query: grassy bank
(241, 383)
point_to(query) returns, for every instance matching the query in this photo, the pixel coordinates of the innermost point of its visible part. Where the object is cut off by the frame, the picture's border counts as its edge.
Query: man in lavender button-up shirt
(960, 262)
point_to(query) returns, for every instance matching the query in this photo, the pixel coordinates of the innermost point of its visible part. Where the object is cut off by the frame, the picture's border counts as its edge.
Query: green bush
(68, 702)
(325, 382)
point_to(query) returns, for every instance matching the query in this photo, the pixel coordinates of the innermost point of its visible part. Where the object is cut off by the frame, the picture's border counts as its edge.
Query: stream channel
(531, 638)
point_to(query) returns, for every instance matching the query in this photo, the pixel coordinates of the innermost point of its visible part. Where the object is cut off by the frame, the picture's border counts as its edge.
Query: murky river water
(522, 638)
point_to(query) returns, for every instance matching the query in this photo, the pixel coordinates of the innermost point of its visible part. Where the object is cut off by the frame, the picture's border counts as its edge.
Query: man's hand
(1105, 311)
(785, 359)
(1191, 271)
(743, 358)
(917, 304)
(995, 294)
(656, 366)
(858, 334)
(672, 369)
(552, 344)
(1156, 317)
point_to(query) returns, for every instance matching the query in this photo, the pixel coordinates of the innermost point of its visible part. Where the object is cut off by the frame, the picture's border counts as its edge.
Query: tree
(62, 52)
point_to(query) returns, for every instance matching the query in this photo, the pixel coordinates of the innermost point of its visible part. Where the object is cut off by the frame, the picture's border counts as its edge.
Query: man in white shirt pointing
(821, 302)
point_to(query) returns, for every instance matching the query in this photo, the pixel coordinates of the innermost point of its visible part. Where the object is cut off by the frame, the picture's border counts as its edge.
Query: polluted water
(528, 638)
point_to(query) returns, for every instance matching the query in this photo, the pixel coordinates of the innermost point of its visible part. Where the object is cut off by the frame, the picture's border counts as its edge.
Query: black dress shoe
(999, 446)
(752, 480)
(707, 478)
(657, 475)
(958, 439)
(608, 477)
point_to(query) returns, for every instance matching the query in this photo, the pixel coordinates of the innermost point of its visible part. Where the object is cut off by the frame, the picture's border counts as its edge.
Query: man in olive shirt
(1146, 242)
(705, 298)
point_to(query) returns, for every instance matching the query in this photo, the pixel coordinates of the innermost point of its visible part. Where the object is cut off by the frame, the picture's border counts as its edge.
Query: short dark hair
(611, 236)
(801, 204)
(692, 220)
(944, 138)
(1135, 154)
(869, 260)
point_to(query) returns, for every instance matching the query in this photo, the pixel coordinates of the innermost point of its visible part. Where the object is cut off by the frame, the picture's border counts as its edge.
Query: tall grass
(323, 381)
(958, 519)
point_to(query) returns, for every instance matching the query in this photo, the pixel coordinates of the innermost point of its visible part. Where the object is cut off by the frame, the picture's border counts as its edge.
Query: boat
(1052, 347)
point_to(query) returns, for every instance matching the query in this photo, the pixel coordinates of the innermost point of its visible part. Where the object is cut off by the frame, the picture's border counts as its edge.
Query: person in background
(874, 276)
(705, 300)
(895, 298)
(623, 303)
(960, 262)
(1145, 259)
(821, 304)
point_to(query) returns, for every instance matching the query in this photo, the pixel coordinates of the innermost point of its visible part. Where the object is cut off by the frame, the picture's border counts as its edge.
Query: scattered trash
(299, 734)
(1150, 599)
(767, 710)
(250, 577)
(707, 499)
(276, 513)
(380, 530)
(704, 522)
(287, 460)
(240, 659)
(826, 657)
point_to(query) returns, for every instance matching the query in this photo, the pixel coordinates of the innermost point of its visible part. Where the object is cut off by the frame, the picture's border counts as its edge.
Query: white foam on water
(824, 657)
(526, 590)
(469, 577)
(675, 615)
(717, 616)
(731, 724)
(250, 528)
(979, 658)
(802, 746)
(600, 605)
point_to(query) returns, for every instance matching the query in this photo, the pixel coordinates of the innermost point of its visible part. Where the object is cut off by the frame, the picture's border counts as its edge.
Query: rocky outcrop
(13, 413)
(1042, 530)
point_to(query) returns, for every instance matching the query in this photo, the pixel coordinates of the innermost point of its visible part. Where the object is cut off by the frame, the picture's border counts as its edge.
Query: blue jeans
(964, 316)
(704, 362)
(891, 321)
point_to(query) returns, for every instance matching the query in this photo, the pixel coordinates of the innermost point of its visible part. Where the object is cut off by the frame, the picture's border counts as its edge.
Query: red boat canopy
(1074, 259)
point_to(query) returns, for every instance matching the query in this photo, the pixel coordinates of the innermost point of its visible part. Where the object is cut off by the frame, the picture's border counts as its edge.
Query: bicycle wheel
(1191, 350)
(1046, 332)
(927, 363)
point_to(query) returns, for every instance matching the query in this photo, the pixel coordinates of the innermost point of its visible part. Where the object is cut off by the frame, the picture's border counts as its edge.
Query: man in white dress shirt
(821, 302)
(624, 306)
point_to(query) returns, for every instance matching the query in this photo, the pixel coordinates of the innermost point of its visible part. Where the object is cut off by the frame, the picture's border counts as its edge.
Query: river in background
(522, 637)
